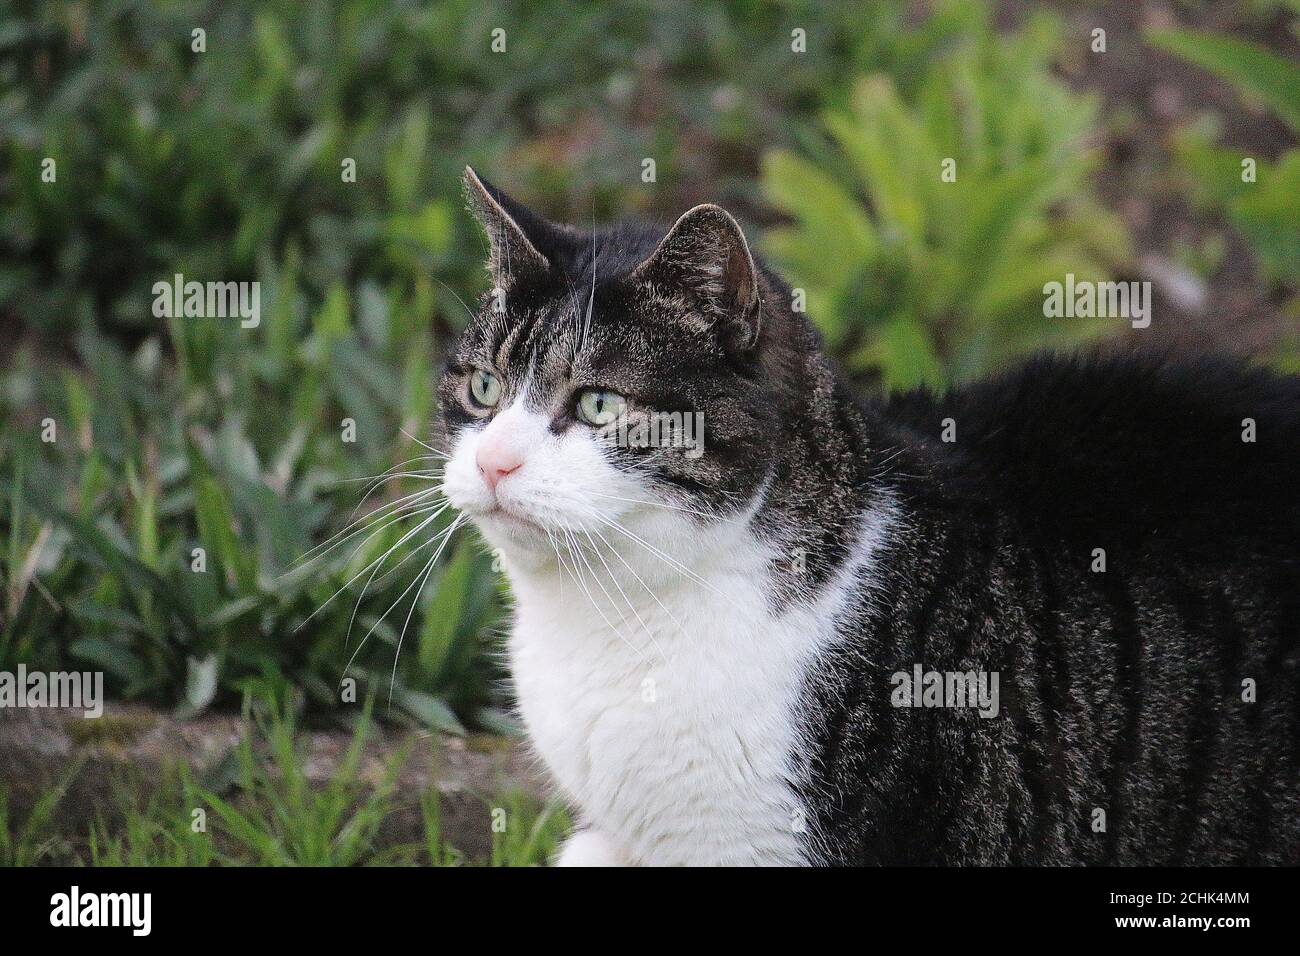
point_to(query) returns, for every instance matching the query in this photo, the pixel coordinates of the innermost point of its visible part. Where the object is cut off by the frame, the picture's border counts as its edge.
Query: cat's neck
(827, 465)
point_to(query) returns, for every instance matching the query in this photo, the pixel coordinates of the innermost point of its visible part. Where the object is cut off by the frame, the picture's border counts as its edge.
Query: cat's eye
(484, 388)
(598, 407)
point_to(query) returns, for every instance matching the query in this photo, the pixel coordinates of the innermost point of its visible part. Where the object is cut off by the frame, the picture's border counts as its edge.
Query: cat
(1049, 618)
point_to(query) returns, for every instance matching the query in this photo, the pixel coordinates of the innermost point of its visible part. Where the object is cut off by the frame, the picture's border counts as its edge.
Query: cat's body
(706, 652)
(1121, 682)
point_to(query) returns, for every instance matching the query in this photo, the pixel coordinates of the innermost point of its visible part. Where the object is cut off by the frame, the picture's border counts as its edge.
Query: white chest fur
(671, 725)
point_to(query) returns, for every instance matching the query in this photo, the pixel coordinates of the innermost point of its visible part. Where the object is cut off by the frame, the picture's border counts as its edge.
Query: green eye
(484, 388)
(600, 408)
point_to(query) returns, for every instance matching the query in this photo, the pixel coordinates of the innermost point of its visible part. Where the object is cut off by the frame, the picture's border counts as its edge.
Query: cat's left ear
(706, 256)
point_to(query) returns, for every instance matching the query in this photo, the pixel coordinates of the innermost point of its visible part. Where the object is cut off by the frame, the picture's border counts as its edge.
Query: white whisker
(614, 579)
(423, 524)
(381, 617)
(573, 550)
(392, 682)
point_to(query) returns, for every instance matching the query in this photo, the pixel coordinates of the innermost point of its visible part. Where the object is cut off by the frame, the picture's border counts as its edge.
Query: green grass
(260, 809)
(33, 839)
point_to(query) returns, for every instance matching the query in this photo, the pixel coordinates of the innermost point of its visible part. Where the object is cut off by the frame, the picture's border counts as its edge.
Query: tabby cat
(1050, 618)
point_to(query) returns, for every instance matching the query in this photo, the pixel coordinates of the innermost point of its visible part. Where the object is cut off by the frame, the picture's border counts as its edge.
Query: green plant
(531, 836)
(35, 839)
(281, 818)
(928, 277)
(157, 830)
(1261, 198)
(186, 578)
(1257, 72)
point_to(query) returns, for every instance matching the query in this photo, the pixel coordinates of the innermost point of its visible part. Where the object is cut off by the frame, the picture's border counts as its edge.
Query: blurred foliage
(216, 452)
(34, 839)
(226, 165)
(931, 278)
(1265, 209)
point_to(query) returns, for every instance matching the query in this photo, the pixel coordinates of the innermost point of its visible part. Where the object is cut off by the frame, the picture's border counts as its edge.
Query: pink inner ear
(705, 252)
(738, 277)
(513, 252)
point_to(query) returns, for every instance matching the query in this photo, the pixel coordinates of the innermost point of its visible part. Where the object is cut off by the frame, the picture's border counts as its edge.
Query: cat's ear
(705, 255)
(511, 229)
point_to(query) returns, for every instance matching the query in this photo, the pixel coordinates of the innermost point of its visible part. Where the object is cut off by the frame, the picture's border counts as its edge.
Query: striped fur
(1122, 689)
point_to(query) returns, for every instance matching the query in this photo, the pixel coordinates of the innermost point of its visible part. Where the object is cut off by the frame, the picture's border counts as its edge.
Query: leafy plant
(186, 579)
(530, 836)
(1264, 204)
(928, 277)
(1257, 72)
(282, 819)
(155, 831)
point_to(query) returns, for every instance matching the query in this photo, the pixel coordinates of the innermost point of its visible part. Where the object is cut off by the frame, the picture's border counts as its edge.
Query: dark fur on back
(1133, 451)
(1121, 689)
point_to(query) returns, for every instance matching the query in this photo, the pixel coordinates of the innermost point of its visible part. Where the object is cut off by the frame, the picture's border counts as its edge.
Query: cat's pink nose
(496, 459)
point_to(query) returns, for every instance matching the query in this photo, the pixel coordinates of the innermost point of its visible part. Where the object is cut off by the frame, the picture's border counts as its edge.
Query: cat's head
(615, 384)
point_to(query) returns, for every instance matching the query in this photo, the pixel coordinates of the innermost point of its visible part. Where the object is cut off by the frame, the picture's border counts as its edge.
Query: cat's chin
(512, 534)
(513, 524)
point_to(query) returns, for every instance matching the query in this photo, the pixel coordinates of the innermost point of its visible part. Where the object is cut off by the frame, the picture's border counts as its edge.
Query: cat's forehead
(613, 338)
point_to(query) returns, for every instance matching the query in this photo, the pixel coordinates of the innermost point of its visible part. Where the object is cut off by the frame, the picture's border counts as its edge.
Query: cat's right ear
(514, 256)
(706, 256)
